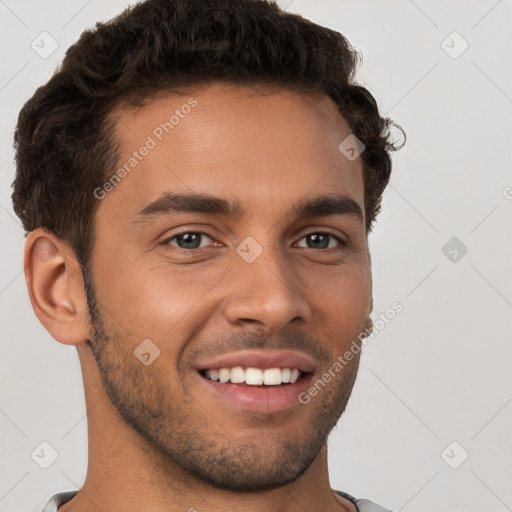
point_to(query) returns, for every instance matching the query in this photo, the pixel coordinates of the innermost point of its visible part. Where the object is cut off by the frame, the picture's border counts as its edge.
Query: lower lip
(255, 399)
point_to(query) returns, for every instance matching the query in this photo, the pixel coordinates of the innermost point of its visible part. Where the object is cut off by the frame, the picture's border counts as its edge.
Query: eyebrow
(169, 203)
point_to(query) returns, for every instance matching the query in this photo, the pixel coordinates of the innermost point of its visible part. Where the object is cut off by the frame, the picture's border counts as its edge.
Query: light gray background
(437, 373)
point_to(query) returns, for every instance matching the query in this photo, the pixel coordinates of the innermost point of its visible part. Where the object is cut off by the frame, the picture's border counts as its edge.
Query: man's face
(269, 288)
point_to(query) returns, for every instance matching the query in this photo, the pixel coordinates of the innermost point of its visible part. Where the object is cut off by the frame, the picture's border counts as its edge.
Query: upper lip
(260, 359)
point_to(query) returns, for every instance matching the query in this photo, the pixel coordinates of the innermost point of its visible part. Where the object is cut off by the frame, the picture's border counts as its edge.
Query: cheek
(340, 300)
(350, 281)
(163, 302)
(151, 302)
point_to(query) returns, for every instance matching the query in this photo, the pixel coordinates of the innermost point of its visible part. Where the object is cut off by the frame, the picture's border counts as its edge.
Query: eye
(187, 240)
(322, 241)
(196, 240)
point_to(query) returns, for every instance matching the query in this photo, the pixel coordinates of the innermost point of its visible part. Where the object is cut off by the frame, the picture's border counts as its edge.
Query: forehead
(267, 146)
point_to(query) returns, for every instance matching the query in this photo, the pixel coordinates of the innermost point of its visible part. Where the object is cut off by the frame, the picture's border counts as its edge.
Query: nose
(265, 293)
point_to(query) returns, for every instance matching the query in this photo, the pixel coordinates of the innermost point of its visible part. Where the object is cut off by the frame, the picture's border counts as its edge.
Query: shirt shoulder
(362, 505)
(58, 499)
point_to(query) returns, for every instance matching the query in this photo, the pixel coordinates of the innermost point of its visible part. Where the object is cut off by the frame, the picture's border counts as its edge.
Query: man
(197, 182)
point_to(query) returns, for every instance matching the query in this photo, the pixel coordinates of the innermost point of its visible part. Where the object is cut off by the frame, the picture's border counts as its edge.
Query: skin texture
(157, 440)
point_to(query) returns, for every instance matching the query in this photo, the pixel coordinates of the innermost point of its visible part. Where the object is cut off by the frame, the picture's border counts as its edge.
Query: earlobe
(55, 287)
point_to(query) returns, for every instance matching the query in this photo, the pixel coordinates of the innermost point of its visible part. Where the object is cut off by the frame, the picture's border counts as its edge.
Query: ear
(368, 326)
(56, 288)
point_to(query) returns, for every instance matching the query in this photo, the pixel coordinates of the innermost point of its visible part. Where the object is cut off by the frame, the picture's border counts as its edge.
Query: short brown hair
(63, 140)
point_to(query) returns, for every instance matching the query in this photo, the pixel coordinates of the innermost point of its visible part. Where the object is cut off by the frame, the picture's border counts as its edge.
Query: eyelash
(341, 242)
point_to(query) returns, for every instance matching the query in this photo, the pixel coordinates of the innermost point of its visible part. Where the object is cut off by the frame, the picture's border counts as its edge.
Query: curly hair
(64, 142)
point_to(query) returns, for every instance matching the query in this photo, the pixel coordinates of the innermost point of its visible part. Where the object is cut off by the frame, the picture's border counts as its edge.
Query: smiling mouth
(254, 377)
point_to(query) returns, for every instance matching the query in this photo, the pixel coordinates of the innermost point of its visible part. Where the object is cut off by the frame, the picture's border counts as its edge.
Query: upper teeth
(254, 376)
